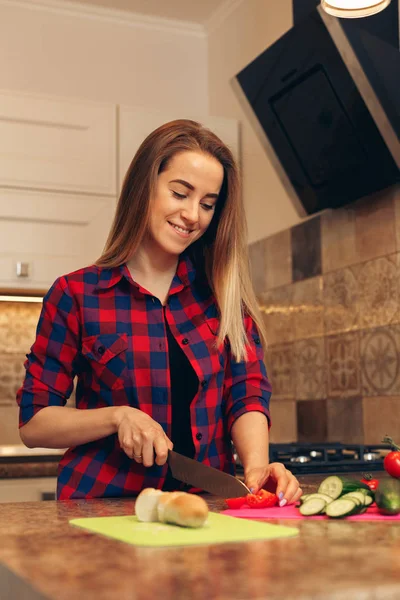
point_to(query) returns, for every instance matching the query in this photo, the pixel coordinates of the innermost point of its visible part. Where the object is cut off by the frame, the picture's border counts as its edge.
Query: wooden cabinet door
(52, 233)
(57, 144)
(135, 124)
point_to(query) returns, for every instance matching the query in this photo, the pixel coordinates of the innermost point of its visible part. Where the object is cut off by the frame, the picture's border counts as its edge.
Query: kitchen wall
(102, 55)
(233, 42)
(329, 291)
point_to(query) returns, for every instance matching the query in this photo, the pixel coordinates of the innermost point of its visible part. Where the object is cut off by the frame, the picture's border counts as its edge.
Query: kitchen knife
(206, 478)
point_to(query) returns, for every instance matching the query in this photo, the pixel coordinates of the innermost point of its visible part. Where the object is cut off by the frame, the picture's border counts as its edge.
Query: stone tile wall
(18, 321)
(329, 292)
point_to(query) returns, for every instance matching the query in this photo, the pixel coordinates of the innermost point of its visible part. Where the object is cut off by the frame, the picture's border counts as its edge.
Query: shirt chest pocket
(107, 356)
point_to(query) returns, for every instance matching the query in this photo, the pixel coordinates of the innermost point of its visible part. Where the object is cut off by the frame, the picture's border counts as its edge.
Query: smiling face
(184, 201)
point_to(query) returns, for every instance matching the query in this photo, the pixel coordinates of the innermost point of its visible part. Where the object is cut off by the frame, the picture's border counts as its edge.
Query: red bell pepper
(370, 482)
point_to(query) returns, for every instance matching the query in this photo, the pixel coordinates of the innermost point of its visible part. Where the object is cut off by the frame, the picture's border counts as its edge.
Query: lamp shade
(350, 9)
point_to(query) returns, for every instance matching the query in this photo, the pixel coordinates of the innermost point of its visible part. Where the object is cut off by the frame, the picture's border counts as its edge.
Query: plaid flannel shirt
(100, 325)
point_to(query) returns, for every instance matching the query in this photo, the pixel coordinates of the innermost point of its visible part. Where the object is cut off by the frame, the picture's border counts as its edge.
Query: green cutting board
(218, 529)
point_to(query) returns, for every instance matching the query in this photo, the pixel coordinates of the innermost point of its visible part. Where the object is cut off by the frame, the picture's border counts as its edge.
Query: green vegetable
(387, 497)
(312, 506)
(343, 507)
(335, 486)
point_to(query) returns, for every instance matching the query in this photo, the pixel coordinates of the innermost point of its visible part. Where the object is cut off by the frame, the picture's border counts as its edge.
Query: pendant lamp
(350, 9)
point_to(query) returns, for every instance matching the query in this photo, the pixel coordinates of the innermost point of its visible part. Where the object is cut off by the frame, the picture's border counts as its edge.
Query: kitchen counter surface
(18, 461)
(329, 560)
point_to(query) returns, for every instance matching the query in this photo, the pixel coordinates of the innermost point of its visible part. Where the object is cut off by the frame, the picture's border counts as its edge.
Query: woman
(162, 334)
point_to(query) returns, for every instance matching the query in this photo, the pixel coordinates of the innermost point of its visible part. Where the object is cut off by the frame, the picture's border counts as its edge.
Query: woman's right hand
(140, 437)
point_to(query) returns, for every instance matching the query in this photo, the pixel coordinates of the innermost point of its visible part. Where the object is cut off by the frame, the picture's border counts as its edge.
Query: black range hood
(325, 102)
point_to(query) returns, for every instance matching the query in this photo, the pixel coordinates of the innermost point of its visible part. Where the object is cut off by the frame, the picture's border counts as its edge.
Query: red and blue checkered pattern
(101, 326)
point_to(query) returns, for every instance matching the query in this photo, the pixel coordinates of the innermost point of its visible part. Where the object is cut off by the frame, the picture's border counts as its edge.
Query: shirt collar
(184, 276)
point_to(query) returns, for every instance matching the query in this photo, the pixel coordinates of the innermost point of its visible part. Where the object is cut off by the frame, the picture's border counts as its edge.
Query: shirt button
(257, 340)
(199, 436)
(203, 383)
(101, 350)
(185, 341)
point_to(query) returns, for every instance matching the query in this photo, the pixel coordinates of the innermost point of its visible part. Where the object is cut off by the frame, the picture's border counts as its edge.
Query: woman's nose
(190, 212)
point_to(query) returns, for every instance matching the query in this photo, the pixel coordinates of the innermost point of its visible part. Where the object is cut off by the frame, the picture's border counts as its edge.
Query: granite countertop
(328, 560)
(18, 461)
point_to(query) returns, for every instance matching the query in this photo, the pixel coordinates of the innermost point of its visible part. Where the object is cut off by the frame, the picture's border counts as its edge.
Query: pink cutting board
(291, 512)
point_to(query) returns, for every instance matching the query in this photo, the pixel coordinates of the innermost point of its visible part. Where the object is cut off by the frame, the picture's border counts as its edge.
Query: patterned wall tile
(310, 369)
(280, 367)
(9, 431)
(257, 266)
(306, 249)
(18, 321)
(343, 358)
(340, 294)
(381, 417)
(338, 239)
(284, 421)
(277, 310)
(312, 420)
(375, 226)
(11, 376)
(380, 361)
(308, 308)
(378, 295)
(278, 260)
(396, 200)
(345, 420)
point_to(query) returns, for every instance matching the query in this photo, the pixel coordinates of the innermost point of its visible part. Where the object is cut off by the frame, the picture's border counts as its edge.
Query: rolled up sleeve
(246, 386)
(50, 364)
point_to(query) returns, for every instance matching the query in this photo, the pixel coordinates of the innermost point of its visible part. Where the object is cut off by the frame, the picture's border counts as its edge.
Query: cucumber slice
(368, 500)
(335, 486)
(303, 498)
(359, 495)
(325, 497)
(343, 507)
(312, 506)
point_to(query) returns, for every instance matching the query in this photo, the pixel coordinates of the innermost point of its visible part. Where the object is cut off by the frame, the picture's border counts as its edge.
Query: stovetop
(302, 458)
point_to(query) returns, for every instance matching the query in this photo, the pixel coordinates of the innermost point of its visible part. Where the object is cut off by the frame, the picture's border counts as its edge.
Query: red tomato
(391, 463)
(371, 483)
(262, 499)
(236, 502)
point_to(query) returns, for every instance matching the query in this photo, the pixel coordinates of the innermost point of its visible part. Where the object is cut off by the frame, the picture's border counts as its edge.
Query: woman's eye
(180, 196)
(208, 206)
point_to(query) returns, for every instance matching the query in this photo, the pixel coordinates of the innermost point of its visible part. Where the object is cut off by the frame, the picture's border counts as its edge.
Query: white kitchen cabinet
(136, 123)
(55, 143)
(51, 233)
(30, 489)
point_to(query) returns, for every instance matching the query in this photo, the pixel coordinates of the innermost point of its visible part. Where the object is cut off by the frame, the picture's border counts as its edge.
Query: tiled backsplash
(329, 291)
(18, 321)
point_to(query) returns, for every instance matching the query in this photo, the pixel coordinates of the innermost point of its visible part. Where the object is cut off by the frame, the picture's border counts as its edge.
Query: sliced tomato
(262, 499)
(236, 502)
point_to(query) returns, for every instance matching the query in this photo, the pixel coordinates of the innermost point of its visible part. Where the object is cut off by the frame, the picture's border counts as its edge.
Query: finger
(170, 445)
(161, 450)
(254, 479)
(148, 452)
(281, 476)
(291, 489)
(297, 496)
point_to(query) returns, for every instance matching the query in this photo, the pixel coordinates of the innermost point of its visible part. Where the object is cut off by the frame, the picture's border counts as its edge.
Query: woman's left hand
(274, 478)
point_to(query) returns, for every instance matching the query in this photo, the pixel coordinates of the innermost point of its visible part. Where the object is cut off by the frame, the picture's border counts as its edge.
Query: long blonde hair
(222, 249)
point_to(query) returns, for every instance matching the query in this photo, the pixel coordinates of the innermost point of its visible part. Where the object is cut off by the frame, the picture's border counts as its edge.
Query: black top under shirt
(184, 386)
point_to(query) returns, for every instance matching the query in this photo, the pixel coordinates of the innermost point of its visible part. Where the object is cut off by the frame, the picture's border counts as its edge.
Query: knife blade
(204, 477)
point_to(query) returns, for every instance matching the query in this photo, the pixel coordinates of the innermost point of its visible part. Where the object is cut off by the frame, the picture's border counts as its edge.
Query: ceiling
(197, 11)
